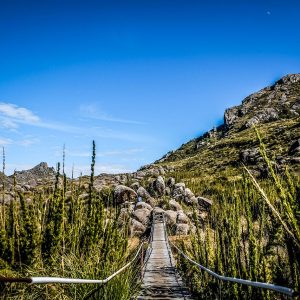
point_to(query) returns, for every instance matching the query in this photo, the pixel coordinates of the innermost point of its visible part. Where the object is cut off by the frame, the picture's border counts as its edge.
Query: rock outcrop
(123, 193)
(37, 174)
(157, 187)
(142, 215)
(269, 104)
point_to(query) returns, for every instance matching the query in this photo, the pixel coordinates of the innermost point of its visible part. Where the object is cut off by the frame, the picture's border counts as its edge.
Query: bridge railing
(277, 288)
(45, 280)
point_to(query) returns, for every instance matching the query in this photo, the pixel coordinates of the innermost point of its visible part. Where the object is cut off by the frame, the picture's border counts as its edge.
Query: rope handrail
(277, 288)
(44, 280)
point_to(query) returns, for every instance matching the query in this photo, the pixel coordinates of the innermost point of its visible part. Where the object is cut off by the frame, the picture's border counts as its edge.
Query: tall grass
(252, 233)
(73, 234)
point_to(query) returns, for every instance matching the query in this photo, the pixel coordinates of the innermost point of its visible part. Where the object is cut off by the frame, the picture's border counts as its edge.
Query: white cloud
(5, 142)
(11, 116)
(8, 124)
(18, 113)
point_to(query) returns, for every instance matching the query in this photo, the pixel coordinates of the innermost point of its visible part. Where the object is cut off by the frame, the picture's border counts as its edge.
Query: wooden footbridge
(161, 279)
(159, 276)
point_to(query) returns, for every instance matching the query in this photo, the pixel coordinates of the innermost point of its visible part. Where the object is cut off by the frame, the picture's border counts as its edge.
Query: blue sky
(138, 77)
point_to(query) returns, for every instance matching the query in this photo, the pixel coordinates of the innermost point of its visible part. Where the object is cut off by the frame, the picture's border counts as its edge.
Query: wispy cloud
(11, 116)
(5, 141)
(25, 141)
(92, 111)
(19, 113)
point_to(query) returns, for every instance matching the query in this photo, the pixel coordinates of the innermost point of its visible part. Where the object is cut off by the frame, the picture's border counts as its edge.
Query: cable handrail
(277, 288)
(45, 280)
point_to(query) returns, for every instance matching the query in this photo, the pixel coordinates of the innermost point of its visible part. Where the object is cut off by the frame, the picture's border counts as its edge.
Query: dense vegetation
(253, 232)
(71, 236)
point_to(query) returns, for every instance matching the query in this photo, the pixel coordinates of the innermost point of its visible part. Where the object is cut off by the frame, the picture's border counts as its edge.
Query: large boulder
(171, 217)
(182, 229)
(179, 191)
(250, 156)
(141, 192)
(135, 186)
(157, 210)
(123, 193)
(174, 205)
(159, 186)
(171, 182)
(188, 196)
(142, 215)
(140, 205)
(182, 218)
(204, 203)
(267, 115)
(295, 148)
(151, 201)
(137, 228)
(167, 191)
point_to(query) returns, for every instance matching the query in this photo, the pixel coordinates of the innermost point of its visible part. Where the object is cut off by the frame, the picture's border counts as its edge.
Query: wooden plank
(161, 279)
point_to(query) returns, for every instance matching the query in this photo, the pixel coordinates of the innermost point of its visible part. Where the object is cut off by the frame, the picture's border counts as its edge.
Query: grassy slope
(221, 158)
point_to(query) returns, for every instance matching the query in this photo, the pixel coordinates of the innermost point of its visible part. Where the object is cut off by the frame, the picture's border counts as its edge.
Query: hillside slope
(274, 111)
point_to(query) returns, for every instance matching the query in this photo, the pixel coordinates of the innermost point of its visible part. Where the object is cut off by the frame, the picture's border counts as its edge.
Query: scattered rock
(171, 182)
(143, 193)
(137, 228)
(230, 116)
(151, 201)
(140, 205)
(182, 229)
(123, 193)
(167, 191)
(135, 186)
(142, 215)
(182, 218)
(157, 210)
(179, 191)
(159, 186)
(267, 115)
(189, 197)
(295, 148)
(171, 217)
(250, 156)
(204, 203)
(174, 205)
(180, 185)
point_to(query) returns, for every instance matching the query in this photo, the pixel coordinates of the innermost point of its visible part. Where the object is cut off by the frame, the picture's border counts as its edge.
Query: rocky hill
(274, 111)
(39, 173)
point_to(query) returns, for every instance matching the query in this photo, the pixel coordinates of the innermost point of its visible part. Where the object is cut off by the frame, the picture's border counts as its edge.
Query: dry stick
(275, 212)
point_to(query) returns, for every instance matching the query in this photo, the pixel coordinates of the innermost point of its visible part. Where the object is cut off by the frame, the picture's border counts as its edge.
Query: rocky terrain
(218, 154)
(174, 199)
(274, 111)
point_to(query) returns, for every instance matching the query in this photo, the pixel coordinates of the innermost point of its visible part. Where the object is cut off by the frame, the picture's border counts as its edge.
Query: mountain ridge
(274, 111)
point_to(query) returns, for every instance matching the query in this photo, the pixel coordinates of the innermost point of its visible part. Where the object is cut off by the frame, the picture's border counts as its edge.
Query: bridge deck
(161, 281)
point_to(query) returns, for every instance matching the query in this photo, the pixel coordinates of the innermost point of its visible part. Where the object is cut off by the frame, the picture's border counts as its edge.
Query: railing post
(142, 259)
